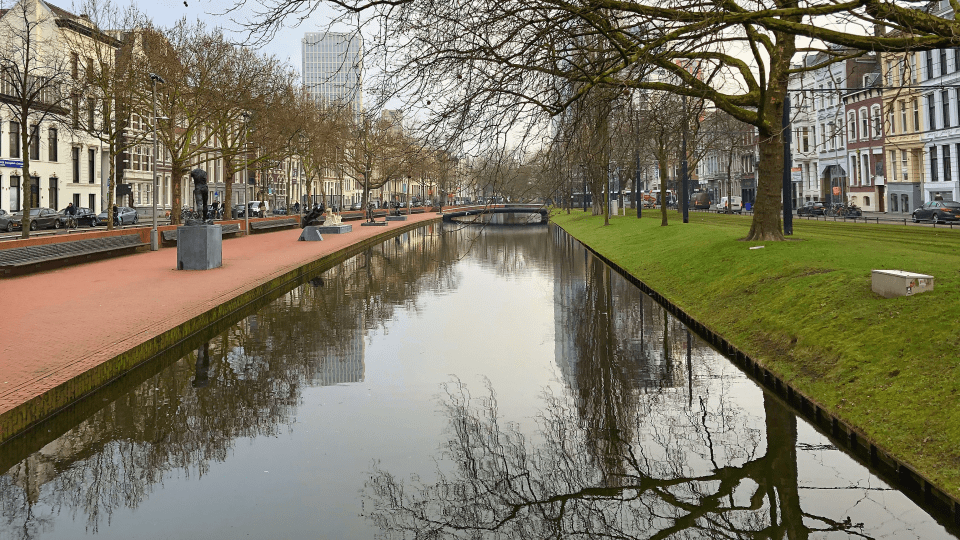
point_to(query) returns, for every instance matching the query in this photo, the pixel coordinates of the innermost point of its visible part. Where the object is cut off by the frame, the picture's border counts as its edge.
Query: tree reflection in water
(630, 452)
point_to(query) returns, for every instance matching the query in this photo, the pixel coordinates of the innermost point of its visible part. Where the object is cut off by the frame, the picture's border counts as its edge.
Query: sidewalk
(66, 331)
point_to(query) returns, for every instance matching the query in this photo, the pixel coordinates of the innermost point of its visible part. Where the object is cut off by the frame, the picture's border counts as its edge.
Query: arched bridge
(498, 209)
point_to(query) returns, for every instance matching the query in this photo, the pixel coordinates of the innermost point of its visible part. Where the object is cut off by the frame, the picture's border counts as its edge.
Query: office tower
(333, 68)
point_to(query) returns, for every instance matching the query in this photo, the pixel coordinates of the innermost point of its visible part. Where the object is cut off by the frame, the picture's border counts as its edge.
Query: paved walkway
(61, 323)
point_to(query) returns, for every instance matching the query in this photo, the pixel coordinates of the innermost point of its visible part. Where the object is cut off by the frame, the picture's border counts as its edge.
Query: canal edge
(22, 417)
(917, 487)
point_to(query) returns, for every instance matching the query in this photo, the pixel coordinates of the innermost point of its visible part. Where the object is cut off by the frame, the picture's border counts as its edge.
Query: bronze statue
(200, 192)
(314, 216)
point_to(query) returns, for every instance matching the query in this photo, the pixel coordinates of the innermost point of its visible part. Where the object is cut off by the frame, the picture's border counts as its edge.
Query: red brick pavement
(61, 323)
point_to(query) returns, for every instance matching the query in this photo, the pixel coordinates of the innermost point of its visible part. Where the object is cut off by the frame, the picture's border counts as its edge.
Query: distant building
(333, 68)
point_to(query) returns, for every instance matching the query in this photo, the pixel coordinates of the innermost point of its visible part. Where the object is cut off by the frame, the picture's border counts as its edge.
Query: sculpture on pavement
(313, 216)
(200, 193)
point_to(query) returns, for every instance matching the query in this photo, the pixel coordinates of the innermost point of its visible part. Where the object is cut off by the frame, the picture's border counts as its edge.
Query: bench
(229, 228)
(23, 257)
(273, 224)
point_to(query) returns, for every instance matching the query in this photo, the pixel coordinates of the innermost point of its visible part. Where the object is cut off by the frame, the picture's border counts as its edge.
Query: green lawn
(804, 309)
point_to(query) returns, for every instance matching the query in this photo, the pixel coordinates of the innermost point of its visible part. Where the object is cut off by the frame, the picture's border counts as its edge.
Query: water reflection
(642, 430)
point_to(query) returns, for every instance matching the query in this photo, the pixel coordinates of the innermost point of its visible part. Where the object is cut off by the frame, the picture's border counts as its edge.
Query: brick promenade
(62, 323)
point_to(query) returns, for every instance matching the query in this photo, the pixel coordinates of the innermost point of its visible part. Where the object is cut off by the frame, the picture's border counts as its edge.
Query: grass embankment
(805, 309)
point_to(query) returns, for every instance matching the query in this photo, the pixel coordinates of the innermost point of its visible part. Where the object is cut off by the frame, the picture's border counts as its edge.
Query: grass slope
(804, 309)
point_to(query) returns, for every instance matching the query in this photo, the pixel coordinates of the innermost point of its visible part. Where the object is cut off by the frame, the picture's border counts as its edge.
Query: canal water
(457, 381)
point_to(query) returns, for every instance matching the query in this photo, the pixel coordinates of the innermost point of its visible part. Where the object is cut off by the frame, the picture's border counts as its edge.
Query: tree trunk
(228, 176)
(27, 179)
(766, 225)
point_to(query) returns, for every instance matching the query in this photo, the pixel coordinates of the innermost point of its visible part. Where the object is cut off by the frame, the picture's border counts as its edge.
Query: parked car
(356, 206)
(84, 216)
(937, 211)
(125, 216)
(735, 204)
(811, 208)
(40, 218)
(254, 207)
(701, 201)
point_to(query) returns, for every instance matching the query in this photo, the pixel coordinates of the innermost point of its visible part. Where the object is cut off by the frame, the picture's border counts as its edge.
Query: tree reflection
(244, 383)
(493, 481)
(648, 444)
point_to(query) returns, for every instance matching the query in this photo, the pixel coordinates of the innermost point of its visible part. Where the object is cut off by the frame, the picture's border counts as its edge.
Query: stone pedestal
(199, 247)
(374, 224)
(311, 233)
(396, 218)
(334, 229)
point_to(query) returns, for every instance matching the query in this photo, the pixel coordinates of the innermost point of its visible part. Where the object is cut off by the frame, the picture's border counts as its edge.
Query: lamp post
(246, 203)
(154, 236)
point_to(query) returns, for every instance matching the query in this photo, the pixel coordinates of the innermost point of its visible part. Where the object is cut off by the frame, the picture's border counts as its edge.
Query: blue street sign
(15, 163)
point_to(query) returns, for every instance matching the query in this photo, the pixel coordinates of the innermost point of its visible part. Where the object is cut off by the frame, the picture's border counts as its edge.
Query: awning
(833, 171)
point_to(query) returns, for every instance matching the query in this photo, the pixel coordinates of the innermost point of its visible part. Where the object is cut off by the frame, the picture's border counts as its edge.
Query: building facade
(333, 68)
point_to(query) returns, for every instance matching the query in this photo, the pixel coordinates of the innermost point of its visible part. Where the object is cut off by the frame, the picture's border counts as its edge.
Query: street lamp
(246, 203)
(154, 236)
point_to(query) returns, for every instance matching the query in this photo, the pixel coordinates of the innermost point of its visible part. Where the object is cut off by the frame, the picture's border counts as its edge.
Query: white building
(67, 165)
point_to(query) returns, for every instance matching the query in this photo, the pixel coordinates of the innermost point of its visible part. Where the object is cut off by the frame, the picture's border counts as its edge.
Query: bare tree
(113, 84)
(35, 77)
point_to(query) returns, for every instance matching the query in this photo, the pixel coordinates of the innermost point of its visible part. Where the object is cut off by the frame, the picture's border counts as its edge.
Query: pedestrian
(263, 209)
(116, 215)
(296, 207)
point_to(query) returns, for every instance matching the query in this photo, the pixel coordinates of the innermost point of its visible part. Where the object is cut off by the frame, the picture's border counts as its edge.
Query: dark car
(937, 211)
(238, 210)
(40, 218)
(125, 216)
(83, 216)
(811, 208)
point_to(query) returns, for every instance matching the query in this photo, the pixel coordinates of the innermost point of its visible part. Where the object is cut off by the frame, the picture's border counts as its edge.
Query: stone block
(334, 229)
(311, 233)
(396, 218)
(893, 283)
(199, 247)
(374, 224)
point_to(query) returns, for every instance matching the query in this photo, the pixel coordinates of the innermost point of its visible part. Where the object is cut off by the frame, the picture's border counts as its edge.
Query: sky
(165, 13)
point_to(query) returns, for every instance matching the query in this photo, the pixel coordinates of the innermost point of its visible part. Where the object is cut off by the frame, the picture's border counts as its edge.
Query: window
(934, 172)
(914, 75)
(903, 116)
(76, 164)
(52, 193)
(35, 142)
(74, 66)
(943, 62)
(14, 139)
(91, 107)
(875, 114)
(904, 171)
(52, 144)
(851, 126)
(892, 120)
(805, 139)
(929, 56)
(916, 115)
(931, 112)
(903, 71)
(864, 124)
(92, 159)
(92, 202)
(945, 107)
(14, 193)
(866, 200)
(889, 77)
(946, 163)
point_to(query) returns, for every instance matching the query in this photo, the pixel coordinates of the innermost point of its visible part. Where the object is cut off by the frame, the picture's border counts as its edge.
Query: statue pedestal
(374, 224)
(311, 233)
(199, 247)
(396, 218)
(334, 229)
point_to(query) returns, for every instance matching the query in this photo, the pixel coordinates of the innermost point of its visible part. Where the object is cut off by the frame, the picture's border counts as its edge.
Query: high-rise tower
(333, 68)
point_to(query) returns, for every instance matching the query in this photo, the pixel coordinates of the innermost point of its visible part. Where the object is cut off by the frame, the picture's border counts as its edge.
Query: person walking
(263, 209)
